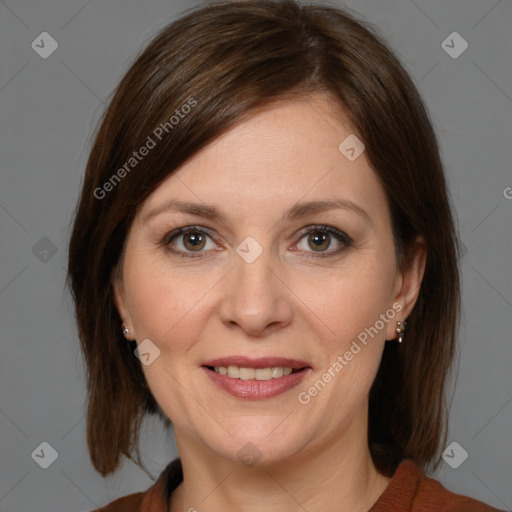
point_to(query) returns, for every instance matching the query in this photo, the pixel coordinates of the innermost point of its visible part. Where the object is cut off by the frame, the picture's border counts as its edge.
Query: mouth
(256, 378)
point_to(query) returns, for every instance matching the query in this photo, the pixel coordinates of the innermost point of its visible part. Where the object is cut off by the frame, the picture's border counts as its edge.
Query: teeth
(236, 372)
(277, 372)
(233, 371)
(246, 373)
(263, 373)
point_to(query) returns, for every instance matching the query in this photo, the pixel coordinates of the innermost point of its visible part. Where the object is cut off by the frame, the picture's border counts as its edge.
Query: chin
(259, 446)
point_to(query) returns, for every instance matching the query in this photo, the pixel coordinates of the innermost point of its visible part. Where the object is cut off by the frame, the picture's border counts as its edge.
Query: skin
(287, 303)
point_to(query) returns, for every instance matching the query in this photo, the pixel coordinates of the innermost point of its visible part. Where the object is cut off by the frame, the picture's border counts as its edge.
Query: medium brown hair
(234, 58)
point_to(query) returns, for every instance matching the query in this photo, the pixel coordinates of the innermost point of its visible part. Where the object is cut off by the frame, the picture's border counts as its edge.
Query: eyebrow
(298, 211)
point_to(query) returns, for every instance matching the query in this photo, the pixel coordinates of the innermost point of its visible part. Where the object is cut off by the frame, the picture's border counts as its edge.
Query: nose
(256, 299)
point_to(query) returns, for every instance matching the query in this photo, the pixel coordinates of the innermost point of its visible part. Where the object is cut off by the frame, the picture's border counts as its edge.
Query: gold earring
(400, 329)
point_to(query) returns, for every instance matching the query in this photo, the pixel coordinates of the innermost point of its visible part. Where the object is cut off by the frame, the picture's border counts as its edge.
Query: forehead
(279, 156)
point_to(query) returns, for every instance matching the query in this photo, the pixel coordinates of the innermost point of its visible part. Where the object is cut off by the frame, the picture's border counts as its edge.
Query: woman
(265, 219)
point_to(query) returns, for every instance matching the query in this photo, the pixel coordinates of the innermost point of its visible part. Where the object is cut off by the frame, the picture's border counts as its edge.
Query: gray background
(48, 110)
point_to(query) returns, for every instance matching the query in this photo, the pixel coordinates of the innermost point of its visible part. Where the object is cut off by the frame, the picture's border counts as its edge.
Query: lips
(256, 389)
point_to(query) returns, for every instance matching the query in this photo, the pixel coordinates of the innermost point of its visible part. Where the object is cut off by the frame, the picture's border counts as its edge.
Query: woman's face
(255, 282)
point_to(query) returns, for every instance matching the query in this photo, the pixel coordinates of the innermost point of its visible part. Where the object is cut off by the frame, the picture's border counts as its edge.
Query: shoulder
(410, 490)
(154, 499)
(130, 503)
(430, 494)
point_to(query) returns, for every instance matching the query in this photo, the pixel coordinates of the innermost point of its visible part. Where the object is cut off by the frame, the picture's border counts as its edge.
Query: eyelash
(338, 235)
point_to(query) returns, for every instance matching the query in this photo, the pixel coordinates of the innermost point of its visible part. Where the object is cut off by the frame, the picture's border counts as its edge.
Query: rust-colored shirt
(409, 490)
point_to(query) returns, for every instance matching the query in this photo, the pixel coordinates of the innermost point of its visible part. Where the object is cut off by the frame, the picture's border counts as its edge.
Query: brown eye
(319, 240)
(193, 240)
(188, 240)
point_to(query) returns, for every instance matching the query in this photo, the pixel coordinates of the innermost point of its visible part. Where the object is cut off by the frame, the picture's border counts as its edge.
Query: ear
(120, 298)
(408, 284)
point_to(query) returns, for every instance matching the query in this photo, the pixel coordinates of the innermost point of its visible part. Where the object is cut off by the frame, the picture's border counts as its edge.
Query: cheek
(352, 307)
(164, 305)
(348, 301)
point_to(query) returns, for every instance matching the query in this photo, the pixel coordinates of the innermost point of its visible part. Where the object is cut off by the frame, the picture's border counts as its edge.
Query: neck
(337, 475)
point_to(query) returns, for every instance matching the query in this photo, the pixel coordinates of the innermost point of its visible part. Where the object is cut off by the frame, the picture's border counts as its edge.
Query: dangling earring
(126, 331)
(400, 329)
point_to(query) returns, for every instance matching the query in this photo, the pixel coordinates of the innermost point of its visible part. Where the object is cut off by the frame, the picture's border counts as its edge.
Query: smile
(255, 383)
